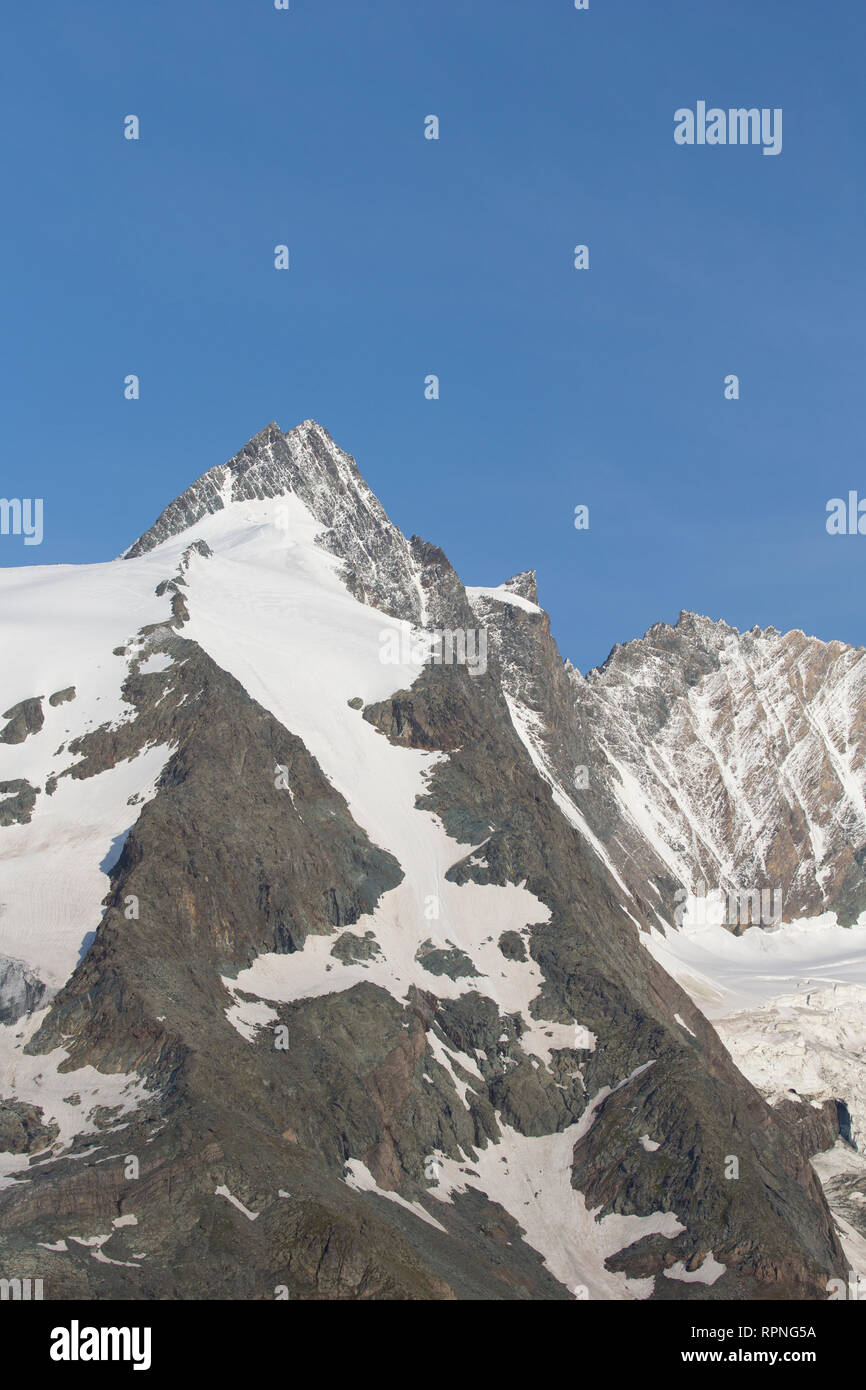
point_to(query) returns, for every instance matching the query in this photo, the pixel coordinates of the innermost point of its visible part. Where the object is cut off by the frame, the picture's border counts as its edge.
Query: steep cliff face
(335, 984)
(741, 756)
(706, 760)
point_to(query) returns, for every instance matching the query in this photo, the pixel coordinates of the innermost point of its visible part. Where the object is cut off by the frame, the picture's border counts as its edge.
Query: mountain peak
(304, 461)
(265, 434)
(525, 585)
(380, 567)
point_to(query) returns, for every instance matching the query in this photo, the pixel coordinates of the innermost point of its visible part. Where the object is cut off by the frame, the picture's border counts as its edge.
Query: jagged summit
(525, 585)
(268, 465)
(408, 579)
(695, 635)
(379, 565)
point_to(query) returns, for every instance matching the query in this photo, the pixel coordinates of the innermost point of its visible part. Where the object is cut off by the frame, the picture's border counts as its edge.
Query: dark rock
(25, 718)
(22, 1130)
(17, 799)
(438, 960)
(512, 946)
(350, 947)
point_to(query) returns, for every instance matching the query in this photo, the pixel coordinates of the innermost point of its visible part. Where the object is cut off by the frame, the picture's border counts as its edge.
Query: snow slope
(790, 1006)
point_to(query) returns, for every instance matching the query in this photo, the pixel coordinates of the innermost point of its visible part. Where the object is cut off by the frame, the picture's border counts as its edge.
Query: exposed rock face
(62, 697)
(525, 585)
(22, 1130)
(706, 760)
(17, 799)
(367, 1013)
(21, 992)
(25, 718)
(747, 752)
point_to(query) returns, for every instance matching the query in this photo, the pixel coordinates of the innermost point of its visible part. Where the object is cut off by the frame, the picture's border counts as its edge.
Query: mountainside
(350, 941)
(741, 759)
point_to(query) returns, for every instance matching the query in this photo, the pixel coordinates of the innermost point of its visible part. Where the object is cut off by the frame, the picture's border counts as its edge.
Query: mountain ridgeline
(326, 977)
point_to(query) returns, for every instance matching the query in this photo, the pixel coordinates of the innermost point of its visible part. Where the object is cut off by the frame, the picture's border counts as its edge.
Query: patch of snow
(707, 1273)
(157, 661)
(534, 1187)
(500, 594)
(236, 1202)
(247, 1016)
(37, 1080)
(361, 1180)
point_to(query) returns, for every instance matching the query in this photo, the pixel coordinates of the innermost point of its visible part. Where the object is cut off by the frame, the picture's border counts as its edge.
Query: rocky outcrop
(21, 992)
(62, 697)
(17, 799)
(25, 718)
(22, 1130)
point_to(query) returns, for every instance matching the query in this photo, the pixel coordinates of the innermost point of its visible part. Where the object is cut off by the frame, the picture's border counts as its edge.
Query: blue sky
(410, 257)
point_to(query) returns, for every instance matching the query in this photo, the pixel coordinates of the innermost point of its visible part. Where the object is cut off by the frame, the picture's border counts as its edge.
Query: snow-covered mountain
(354, 945)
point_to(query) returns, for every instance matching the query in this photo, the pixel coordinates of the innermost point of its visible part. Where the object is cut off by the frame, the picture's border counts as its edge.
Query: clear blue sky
(454, 257)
